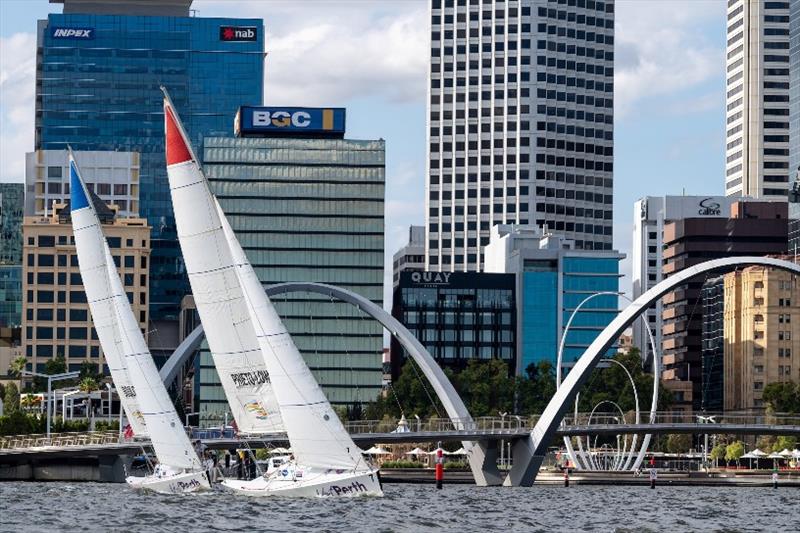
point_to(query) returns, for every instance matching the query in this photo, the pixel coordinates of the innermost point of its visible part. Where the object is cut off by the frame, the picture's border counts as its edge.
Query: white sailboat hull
(183, 483)
(322, 485)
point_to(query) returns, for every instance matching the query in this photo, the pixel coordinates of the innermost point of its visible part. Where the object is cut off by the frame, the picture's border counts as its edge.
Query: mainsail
(315, 432)
(139, 383)
(90, 246)
(217, 293)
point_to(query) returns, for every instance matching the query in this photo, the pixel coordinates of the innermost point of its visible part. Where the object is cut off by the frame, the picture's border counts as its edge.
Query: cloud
(338, 51)
(17, 86)
(662, 49)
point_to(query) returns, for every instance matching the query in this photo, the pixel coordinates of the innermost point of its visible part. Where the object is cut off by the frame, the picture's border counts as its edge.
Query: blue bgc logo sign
(72, 33)
(292, 121)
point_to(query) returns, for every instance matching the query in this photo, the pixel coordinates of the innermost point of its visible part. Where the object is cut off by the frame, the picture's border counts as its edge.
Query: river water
(89, 507)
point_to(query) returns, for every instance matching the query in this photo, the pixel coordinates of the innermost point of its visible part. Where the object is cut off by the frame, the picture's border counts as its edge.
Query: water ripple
(95, 507)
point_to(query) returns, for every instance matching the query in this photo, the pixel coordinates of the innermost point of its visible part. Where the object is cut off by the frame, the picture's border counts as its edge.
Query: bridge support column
(482, 457)
(526, 464)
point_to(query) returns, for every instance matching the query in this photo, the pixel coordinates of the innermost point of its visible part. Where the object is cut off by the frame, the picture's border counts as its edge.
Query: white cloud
(662, 48)
(339, 50)
(17, 86)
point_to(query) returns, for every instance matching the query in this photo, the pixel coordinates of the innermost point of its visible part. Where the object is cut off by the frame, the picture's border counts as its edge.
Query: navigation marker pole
(439, 466)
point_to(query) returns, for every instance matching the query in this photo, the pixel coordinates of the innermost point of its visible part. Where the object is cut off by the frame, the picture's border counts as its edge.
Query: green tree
(11, 399)
(734, 451)
(783, 397)
(718, 452)
(679, 442)
(57, 365)
(785, 443)
(486, 387)
(535, 389)
(88, 384)
(17, 366)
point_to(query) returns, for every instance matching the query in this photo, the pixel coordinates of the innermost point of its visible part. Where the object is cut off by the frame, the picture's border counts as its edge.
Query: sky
(371, 56)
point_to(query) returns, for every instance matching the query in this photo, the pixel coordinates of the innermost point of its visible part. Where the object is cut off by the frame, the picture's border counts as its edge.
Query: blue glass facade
(102, 93)
(12, 200)
(556, 286)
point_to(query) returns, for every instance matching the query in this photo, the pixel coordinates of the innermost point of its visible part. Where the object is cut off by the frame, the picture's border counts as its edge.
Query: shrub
(402, 463)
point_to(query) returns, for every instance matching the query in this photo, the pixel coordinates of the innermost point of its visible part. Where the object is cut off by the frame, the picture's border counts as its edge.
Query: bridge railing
(57, 440)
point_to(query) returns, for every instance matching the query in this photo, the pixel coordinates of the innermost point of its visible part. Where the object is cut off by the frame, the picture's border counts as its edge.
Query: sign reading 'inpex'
(71, 33)
(238, 33)
(289, 121)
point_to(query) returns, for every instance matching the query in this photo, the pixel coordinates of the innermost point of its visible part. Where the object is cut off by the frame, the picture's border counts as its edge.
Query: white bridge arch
(482, 455)
(529, 453)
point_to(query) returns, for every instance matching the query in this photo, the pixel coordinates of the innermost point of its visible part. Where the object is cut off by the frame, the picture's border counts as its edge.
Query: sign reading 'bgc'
(289, 121)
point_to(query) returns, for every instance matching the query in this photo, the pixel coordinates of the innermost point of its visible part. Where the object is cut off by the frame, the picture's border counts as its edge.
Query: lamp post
(502, 443)
(50, 379)
(705, 420)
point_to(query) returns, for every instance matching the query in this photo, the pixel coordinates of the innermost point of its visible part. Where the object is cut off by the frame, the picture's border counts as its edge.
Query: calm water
(87, 507)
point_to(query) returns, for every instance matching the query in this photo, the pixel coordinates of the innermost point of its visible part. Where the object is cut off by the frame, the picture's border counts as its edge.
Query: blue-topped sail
(78, 194)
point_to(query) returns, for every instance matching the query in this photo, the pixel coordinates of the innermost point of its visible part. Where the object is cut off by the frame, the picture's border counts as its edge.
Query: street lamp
(50, 379)
(705, 420)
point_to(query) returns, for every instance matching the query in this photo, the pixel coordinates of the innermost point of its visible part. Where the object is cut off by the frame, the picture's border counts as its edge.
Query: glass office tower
(11, 207)
(308, 210)
(97, 88)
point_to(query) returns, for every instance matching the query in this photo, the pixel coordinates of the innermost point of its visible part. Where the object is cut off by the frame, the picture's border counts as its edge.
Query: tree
(679, 443)
(536, 388)
(734, 451)
(783, 397)
(486, 387)
(51, 367)
(88, 384)
(11, 399)
(17, 366)
(717, 452)
(785, 443)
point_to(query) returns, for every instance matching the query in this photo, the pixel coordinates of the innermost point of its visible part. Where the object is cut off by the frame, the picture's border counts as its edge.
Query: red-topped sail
(177, 151)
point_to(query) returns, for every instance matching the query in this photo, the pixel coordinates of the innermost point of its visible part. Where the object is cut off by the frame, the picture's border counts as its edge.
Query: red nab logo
(238, 33)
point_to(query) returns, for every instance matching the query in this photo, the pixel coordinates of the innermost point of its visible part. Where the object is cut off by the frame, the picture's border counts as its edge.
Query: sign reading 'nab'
(238, 33)
(71, 33)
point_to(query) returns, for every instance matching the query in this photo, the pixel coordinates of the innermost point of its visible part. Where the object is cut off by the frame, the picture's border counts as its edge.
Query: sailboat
(179, 470)
(217, 294)
(326, 462)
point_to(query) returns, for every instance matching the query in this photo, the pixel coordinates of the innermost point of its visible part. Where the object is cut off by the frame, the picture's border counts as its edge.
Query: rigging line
(427, 393)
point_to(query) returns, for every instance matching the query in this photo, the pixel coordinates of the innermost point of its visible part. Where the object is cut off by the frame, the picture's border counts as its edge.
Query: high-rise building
(308, 205)
(713, 302)
(762, 334)
(11, 212)
(553, 279)
(56, 320)
(757, 117)
(98, 71)
(794, 90)
(520, 124)
(113, 176)
(458, 317)
(650, 215)
(794, 218)
(754, 228)
(410, 257)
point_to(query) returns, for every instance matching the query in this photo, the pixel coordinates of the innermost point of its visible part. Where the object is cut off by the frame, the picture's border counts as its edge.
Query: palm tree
(88, 384)
(17, 366)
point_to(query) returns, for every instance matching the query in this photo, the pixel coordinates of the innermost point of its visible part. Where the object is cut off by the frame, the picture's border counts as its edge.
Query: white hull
(345, 485)
(171, 484)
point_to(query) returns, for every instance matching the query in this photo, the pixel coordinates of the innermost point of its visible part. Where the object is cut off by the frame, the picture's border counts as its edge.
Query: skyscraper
(757, 119)
(520, 124)
(99, 67)
(12, 198)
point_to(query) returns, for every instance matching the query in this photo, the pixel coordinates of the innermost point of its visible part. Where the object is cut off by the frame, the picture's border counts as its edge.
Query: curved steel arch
(529, 453)
(482, 456)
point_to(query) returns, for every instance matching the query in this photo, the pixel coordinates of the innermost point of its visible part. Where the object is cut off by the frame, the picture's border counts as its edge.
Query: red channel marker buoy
(439, 467)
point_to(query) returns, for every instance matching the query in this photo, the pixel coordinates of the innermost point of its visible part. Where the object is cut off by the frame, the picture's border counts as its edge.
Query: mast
(121, 334)
(215, 287)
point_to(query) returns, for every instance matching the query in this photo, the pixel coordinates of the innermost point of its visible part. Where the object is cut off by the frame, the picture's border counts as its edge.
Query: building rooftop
(153, 8)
